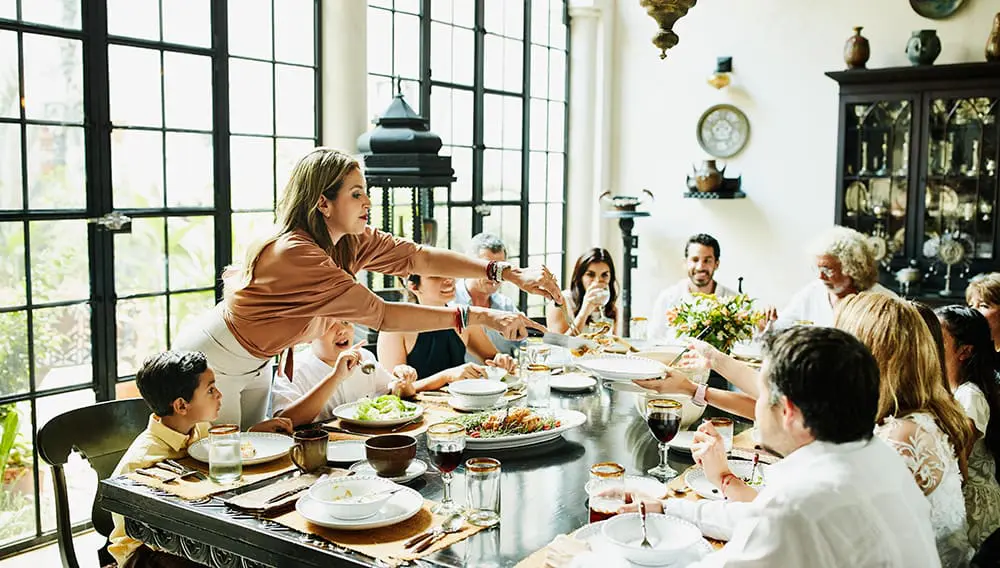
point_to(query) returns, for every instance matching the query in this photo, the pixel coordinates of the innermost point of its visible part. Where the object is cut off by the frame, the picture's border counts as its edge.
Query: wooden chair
(101, 433)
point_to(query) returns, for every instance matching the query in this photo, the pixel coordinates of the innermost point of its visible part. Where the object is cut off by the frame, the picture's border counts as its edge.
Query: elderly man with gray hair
(484, 292)
(845, 264)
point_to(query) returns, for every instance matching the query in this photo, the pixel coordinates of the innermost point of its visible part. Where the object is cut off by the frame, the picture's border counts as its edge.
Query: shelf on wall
(715, 194)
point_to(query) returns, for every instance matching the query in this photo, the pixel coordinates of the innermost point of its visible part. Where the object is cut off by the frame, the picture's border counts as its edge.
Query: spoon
(371, 496)
(642, 523)
(452, 524)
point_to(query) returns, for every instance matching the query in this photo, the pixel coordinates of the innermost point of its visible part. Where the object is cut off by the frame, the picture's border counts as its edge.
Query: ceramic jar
(993, 43)
(924, 47)
(708, 177)
(856, 50)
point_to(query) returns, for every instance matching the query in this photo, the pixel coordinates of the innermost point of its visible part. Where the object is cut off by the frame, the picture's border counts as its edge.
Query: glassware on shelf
(883, 169)
(904, 167)
(973, 170)
(864, 171)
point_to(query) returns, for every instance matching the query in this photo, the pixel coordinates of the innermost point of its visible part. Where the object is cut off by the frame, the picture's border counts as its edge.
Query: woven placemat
(199, 487)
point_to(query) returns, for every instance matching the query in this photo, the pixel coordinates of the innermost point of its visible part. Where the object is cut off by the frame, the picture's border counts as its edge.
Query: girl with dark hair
(592, 295)
(970, 366)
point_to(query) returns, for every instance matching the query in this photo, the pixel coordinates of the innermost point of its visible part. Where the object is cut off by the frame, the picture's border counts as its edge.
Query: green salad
(385, 407)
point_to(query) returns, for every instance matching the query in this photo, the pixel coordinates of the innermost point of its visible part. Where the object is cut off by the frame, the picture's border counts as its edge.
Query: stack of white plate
(622, 367)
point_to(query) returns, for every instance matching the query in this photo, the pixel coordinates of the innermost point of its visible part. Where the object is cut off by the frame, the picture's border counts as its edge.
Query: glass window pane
(17, 508)
(251, 97)
(513, 122)
(134, 18)
(134, 82)
(411, 6)
(511, 174)
(249, 228)
(139, 261)
(10, 103)
(557, 30)
(141, 331)
(62, 347)
(14, 356)
(187, 91)
(59, 13)
(295, 106)
(185, 309)
(493, 62)
(250, 28)
(557, 189)
(406, 44)
(12, 268)
(441, 10)
(441, 51)
(11, 191)
(557, 75)
(506, 222)
(379, 46)
(137, 169)
(494, 120)
(81, 479)
(287, 154)
(441, 106)
(8, 9)
(53, 78)
(463, 65)
(492, 175)
(56, 178)
(294, 26)
(554, 227)
(557, 120)
(539, 71)
(126, 389)
(190, 170)
(461, 229)
(59, 261)
(536, 230)
(252, 171)
(540, 22)
(539, 124)
(191, 252)
(461, 117)
(537, 170)
(461, 162)
(188, 22)
(464, 13)
(513, 18)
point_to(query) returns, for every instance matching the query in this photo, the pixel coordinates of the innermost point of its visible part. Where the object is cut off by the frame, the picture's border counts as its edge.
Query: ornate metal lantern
(666, 13)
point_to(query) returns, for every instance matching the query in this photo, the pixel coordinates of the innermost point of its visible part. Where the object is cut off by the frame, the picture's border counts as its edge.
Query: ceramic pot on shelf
(924, 47)
(708, 177)
(993, 42)
(856, 50)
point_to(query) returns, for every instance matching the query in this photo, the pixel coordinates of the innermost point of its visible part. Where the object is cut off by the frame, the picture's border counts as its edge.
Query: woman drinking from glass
(592, 295)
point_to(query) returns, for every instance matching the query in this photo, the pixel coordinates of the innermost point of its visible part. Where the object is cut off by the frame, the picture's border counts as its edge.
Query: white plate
(623, 367)
(413, 471)
(345, 451)
(682, 441)
(454, 403)
(696, 480)
(570, 419)
(572, 382)
(269, 447)
(639, 484)
(604, 554)
(400, 507)
(348, 414)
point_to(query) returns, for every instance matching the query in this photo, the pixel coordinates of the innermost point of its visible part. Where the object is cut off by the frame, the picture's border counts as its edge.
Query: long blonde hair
(986, 286)
(908, 363)
(321, 172)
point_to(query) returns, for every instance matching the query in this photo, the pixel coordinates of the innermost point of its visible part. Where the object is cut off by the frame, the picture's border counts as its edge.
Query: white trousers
(243, 380)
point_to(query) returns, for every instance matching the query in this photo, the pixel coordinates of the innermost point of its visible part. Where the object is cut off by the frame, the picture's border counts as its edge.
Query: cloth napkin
(256, 501)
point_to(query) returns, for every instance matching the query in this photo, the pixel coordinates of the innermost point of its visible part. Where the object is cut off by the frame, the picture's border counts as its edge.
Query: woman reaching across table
(296, 282)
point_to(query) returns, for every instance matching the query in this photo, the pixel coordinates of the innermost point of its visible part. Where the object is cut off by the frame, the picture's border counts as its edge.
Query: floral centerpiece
(728, 321)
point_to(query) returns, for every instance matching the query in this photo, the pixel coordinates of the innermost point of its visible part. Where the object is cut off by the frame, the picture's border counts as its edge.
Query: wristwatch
(699, 395)
(498, 269)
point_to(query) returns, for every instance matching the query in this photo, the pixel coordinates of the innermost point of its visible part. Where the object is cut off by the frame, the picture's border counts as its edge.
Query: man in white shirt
(485, 293)
(840, 497)
(845, 264)
(701, 258)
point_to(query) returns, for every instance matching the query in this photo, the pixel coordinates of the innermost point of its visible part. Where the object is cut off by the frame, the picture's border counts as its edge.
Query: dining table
(542, 497)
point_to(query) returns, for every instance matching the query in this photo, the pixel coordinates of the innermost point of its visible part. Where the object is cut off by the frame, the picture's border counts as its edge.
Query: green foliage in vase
(729, 321)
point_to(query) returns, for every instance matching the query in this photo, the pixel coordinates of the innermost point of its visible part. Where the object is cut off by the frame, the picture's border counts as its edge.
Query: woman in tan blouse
(294, 284)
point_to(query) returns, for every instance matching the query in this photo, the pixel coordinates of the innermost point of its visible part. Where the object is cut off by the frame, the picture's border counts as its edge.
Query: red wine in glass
(663, 426)
(446, 457)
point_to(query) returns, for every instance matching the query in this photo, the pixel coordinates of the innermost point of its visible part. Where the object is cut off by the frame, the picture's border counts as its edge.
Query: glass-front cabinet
(917, 172)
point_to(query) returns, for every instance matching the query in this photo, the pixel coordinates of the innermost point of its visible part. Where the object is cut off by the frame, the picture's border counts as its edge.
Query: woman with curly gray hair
(845, 264)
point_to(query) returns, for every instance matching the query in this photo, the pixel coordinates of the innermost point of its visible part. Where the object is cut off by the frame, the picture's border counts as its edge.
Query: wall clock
(723, 131)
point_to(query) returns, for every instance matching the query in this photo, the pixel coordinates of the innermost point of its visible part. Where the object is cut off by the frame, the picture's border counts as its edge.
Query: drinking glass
(538, 351)
(482, 477)
(663, 416)
(445, 443)
(225, 462)
(724, 426)
(637, 328)
(536, 382)
(607, 490)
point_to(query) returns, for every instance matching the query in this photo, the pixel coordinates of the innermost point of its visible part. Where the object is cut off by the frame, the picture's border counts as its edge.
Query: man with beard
(845, 265)
(701, 257)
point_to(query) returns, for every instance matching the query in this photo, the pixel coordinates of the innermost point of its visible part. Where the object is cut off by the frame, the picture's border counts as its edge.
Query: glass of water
(482, 476)
(537, 384)
(225, 462)
(724, 426)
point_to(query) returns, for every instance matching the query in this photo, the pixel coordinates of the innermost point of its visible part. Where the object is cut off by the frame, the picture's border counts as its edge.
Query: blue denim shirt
(497, 302)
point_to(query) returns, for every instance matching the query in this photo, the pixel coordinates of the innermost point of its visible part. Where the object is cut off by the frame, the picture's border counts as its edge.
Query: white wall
(780, 50)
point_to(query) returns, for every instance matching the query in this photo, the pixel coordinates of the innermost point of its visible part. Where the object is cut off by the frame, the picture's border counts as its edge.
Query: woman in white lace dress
(917, 416)
(970, 366)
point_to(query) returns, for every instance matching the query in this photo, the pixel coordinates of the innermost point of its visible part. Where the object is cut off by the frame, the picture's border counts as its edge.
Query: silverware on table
(407, 423)
(452, 524)
(687, 348)
(342, 430)
(285, 495)
(642, 524)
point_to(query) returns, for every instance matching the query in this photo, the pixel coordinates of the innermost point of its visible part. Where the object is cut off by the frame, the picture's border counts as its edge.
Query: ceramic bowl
(477, 393)
(668, 535)
(690, 412)
(391, 454)
(348, 497)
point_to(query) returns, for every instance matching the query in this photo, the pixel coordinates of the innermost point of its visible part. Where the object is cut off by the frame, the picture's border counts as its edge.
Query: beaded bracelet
(463, 313)
(458, 320)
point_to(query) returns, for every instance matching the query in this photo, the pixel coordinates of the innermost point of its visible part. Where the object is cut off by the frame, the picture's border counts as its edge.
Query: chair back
(988, 554)
(101, 433)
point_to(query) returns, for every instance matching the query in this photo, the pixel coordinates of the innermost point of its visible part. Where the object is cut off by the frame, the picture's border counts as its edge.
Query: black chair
(988, 555)
(101, 433)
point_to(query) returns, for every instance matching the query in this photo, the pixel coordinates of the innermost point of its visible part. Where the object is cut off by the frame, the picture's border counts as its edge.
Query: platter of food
(255, 447)
(515, 427)
(380, 412)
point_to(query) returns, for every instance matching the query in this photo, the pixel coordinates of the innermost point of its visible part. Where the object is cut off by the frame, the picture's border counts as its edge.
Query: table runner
(193, 487)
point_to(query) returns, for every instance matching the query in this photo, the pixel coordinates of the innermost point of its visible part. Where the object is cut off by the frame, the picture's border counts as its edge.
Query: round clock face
(723, 131)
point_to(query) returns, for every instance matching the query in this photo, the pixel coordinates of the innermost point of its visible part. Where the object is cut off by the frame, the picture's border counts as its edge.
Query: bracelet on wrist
(458, 320)
(727, 478)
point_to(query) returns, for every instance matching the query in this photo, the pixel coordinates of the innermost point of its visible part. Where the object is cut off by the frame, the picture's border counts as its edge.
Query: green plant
(727, 321)
(14, 450)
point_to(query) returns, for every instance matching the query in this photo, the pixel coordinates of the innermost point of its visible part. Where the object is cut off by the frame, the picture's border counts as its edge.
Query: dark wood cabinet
(917, 170)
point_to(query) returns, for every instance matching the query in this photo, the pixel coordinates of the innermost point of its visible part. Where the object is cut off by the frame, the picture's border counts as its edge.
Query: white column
(343, 48)
(582, 209)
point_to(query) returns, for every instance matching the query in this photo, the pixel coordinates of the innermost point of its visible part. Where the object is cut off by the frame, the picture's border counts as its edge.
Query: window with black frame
(491, 75)
(151, 142)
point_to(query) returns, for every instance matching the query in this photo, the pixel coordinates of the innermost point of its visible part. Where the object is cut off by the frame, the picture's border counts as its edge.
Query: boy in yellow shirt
(179, 388)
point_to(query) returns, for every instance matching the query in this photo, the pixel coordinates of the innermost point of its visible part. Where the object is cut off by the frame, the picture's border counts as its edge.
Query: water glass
(637, 328)
(482, 476)
(725, 428)
(537, 384)
(606, 493)
(225, 462)
(538, 351)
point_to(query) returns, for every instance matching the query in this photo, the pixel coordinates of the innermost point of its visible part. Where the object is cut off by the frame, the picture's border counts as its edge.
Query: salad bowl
(380, 412)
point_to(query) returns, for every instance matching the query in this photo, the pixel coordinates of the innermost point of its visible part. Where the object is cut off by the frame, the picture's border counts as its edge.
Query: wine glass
(603, 296)
(445, 443)
(663, 416)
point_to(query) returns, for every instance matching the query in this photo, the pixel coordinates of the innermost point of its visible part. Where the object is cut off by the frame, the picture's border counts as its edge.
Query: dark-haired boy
(179, 388)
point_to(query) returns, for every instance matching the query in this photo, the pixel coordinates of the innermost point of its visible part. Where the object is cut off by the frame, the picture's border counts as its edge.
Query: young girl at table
(592, 295)
(439, 356)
